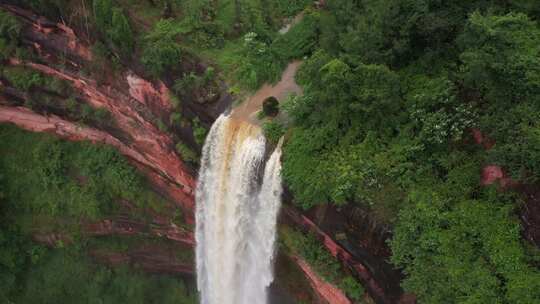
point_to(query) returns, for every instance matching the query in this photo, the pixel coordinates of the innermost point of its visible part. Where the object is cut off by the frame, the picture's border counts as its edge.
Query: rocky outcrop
(145, 92)
(529, 212)
(359, 270)
(154, 146)
(326, 291)
(125, 226)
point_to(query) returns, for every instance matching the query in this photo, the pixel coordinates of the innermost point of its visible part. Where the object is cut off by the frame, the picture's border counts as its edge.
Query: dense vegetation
(392, 92)
(48, 186)
(310, 249)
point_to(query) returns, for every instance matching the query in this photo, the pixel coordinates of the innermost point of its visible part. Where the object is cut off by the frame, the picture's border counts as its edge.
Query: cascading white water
(235, 217)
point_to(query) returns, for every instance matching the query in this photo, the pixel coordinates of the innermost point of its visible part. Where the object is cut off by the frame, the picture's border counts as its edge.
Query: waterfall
(236, 214)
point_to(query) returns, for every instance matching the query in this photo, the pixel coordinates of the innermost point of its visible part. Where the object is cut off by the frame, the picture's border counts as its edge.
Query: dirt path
(286, 86)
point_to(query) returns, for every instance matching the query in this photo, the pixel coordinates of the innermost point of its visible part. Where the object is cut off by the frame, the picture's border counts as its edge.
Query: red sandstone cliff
(131, 100)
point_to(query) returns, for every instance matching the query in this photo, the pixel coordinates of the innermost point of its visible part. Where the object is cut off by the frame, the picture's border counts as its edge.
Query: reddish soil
(281, 90)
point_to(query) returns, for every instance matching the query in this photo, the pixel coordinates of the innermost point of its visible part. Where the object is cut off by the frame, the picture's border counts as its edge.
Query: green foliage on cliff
(56, 178)
(50, 187)
(161, 51)
(114, 26)
(66, 276)
(186, 153)
(273, 131)
(324, 264)
(300, 40)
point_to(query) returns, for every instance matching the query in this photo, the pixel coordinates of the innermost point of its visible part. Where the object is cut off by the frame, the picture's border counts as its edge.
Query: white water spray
(235, 217)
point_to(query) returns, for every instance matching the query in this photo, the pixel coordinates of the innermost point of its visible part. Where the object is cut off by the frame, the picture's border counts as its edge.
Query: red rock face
(491, 174)
(326, 291)
(152, 144)
(154, 166)
(481, 139)
(341, 254)
(123, 226)
(145, 92)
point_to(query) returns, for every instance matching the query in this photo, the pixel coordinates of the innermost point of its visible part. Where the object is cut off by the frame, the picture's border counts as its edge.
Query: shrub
(352, 288)
(258, 63)
(299, 41)
(187, 153)
(161, 125)
(161, 51)
(103, 10)
(10, 27)
(23, 79)
(176, 118)
(273, 131)
(120, 32)
(114, 25)
(199, 131)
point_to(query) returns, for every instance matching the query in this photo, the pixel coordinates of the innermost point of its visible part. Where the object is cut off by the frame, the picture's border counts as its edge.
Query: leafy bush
(120, 32)
(258, 63)
(452, 249)
(309, 248)
(161, 51)
(438, 114)
(501, 57)
(10, 27)
(67, 276)
(273, 131)
(23, 79)
(114, 25)
(352, 288)
(64, 178)
(270, 106)
(291, 7)
(187, 153)
(199, 131)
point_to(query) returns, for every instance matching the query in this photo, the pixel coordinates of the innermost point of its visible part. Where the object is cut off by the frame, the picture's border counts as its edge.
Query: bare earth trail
(247, 111)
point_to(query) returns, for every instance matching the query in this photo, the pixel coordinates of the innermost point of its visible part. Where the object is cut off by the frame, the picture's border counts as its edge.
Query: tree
(500, 57)
(468, 252)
